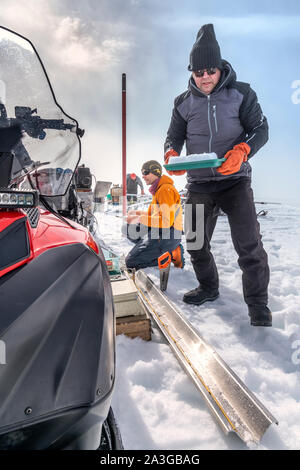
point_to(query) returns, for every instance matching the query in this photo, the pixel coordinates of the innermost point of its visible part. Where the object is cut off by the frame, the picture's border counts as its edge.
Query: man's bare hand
(133, 217)
(132, 212)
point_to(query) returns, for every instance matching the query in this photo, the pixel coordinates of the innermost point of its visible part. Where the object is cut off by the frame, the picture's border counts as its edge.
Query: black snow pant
(150, 246)
(237, 202)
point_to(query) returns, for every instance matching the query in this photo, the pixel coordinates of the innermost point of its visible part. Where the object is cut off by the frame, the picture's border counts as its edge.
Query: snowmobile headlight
(13, 199)
(5, 199)
(10, 198)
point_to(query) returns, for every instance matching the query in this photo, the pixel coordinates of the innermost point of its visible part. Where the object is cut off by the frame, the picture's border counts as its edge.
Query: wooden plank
(134, 326)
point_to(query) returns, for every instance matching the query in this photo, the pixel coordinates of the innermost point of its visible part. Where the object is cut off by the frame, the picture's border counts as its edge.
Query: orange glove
(173, 153)
(234, 159)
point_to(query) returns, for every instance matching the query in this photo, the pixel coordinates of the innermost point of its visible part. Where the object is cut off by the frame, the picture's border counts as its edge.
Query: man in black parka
(219, 114)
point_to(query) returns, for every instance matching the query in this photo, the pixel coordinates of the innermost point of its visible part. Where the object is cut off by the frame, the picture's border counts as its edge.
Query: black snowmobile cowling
(59, 334)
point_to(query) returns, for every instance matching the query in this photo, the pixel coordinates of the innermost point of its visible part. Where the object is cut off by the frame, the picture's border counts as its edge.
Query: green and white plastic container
(194, 161)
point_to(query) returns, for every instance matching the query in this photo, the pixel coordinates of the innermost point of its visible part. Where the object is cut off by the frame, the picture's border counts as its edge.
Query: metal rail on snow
(234, 406)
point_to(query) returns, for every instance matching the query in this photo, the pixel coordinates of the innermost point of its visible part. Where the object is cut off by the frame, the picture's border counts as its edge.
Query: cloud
(23, 16)
(85, 46)
(78, 48)
(70, 41)
(275, 27)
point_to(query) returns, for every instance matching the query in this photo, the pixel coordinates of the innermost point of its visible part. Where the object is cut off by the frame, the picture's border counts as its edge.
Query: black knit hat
(205, 53)
(153, 167)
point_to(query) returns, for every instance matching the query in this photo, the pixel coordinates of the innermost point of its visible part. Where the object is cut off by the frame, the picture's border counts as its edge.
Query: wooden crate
(134, 326)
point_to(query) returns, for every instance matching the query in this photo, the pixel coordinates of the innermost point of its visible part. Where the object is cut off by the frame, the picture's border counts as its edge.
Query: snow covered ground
(157, 406)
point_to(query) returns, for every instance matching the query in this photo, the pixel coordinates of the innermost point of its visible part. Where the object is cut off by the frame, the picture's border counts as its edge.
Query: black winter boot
(198, 296)
(260, 315)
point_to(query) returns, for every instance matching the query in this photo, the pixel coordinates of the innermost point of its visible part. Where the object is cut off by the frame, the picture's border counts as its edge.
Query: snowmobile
(57, 325)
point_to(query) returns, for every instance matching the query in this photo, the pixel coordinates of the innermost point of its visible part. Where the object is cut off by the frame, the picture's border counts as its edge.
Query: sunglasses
(210, 71)
(145, 172)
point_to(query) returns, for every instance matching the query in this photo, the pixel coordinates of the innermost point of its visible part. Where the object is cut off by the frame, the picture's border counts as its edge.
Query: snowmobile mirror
(80, 132)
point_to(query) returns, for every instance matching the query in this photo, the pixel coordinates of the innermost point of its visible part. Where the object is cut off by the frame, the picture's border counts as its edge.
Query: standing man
(219, 114)
(159, 229)
(132, 183)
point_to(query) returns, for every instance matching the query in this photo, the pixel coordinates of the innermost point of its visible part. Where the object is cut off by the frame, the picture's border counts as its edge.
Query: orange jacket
(165, 209)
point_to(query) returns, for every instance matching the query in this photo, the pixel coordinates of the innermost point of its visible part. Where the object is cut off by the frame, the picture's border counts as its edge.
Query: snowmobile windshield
(49, 151)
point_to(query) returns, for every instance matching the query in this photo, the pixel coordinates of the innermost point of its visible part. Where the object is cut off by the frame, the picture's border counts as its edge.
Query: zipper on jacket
(210, 130)
(209, 123)
(215, 116)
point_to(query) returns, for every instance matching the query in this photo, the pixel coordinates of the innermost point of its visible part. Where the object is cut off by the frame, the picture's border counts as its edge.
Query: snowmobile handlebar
(33, 124)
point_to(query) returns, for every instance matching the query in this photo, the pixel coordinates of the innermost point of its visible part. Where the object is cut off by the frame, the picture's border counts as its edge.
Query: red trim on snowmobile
(7, 218)
(50, 232)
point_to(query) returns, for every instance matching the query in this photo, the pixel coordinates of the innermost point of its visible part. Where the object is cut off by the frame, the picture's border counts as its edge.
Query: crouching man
(159, 229)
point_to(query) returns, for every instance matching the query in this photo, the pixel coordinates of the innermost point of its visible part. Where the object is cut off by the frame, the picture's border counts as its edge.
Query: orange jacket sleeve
(161, 212)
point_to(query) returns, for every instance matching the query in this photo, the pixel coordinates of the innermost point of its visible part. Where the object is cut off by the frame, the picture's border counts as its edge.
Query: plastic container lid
(193, 165)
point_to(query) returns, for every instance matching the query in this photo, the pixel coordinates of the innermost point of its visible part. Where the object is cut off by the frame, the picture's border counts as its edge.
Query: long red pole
(124, 143)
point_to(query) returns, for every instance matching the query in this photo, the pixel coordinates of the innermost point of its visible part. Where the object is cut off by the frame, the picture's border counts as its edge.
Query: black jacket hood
(228, 76)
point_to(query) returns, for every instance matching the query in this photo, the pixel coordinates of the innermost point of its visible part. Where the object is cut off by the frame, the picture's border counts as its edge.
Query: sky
(86, 45)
